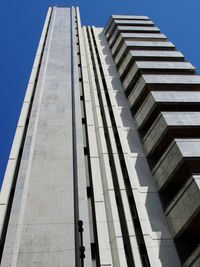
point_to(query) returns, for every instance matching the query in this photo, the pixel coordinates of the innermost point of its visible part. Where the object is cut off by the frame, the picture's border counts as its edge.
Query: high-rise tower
(104, 168)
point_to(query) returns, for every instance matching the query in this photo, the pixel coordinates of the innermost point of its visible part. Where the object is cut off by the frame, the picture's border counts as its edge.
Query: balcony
(141, 45)
(167, 126)
(181, 158)
(185, 208)
(149, 82)
(158, 101)
(156, 67)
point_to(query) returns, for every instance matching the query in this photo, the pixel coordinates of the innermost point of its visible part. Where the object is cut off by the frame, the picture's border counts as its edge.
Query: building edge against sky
(104, 167)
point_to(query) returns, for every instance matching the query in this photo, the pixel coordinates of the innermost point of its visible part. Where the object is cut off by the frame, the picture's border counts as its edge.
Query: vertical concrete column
(13, 157)
(96, 173)
(82, 202)
(41, 224)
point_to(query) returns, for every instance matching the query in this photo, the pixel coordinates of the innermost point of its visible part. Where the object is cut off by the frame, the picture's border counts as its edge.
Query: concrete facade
(163, 91)
(104, 167)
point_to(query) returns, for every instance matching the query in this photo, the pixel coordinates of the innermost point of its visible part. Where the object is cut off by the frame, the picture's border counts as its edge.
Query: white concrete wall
(41, 230)
(158, 241)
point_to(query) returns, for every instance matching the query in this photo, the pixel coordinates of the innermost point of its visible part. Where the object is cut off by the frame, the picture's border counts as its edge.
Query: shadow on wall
(155, 229)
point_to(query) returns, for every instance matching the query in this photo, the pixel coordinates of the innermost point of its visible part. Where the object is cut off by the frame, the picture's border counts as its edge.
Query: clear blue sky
(21, 24)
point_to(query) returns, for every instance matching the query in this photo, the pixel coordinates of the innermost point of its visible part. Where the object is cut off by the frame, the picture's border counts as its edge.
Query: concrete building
(105, 164)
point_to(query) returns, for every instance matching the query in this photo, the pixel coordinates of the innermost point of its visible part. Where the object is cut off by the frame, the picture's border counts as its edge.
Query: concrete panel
(136, 92)
(7, 183)
(133, 22)
(162, 252)
(118, 254)
(131, 17)
(125, 63)
(92, 141)
(163, 82)
(142, 45)
(90, 117)
(194, 259)
(137, 29)
(176, 153)
(132, 29)
(153, 55)
(98, 118)
(131, 76)
(152, 217)
(143, 35)
(123, 118)
(137, 36)
(23, 115)
(112, 215)
(139, 174)
(167, 65)
(103, 239)
(120, 53)
(102, 147)
(185, 206)
(36, 61)
(129, 22)
(155, 67)
(147, 45)
(16, 143)
(107, 181)
(33, 75)
(163, 99)
(167, 121)
(111, 21)
(157, 54)
(86, 89)
(172, 79)
(131, 143)
(29, 92)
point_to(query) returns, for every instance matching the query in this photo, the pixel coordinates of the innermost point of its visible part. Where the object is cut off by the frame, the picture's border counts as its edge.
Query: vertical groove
(90, 179)
(135, 218)
(75, 176)
(124, 228)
